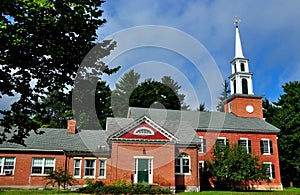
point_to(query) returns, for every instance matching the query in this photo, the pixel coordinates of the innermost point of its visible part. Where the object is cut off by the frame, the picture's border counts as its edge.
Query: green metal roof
(207, 121)
(60, 140)
(181, 124)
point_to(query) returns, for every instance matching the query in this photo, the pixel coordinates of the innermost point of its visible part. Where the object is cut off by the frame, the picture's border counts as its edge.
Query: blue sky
(269, 33)
(200, 59)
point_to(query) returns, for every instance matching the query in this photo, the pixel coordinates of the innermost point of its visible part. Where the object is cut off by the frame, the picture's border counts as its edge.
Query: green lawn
(35, 192)
(290, 191)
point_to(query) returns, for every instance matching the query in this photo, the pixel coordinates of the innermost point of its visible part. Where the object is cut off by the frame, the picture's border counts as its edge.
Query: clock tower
(242, 101)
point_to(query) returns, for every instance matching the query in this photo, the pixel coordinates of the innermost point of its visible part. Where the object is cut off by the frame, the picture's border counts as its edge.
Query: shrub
(121, 187)
(91, 187)
(60, 177)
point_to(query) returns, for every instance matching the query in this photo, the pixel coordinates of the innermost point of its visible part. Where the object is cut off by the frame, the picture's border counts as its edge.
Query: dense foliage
(285, 114)
(154, 94)
(121, 94)
(121, 187)
(54, 110)
(129, 92)
(168, 81)
(232, 165)
(42, 44)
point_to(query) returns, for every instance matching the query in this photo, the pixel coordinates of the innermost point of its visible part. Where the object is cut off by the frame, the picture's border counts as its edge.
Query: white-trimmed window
(221, 142)
(77, 167)
(202, 145)
(7, 165)
(270, 169)
(143, 131)
(182, 164)
(41, 166)
(102, 168)
(266, 146)
(201, 166)
(246, 144)
(89, 167)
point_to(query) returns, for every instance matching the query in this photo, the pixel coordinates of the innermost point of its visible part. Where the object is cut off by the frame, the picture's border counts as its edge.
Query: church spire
(238, 43)
(242, 101)
(241, 78)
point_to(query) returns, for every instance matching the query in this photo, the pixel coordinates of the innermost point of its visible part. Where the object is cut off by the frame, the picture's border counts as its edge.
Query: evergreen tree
(167, 80)
(285, 114)
(202, 108)
(223, 97)
(122, 92)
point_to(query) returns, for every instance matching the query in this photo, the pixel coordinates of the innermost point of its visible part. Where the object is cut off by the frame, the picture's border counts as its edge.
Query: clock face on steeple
(242, 102)
(249, 108)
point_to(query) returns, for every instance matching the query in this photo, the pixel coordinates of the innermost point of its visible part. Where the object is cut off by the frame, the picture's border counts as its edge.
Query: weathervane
(236, 21)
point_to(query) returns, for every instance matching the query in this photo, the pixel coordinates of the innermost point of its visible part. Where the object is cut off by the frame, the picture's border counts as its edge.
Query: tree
(54, 110)
(223, 97)
(154, 94)
(167, 80)
(43, 41)
(233, 165)
(60, 177)
(122, 92)
(285, 115)
(202, 108)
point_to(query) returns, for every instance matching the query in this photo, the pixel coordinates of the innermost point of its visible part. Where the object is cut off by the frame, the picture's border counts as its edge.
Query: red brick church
(162, 147)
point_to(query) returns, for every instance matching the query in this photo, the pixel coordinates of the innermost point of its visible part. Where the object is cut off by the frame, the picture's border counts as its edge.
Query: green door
(143, 171)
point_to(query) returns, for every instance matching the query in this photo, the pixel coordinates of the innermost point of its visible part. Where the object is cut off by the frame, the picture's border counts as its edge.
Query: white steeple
(241, 78)
(238, 44)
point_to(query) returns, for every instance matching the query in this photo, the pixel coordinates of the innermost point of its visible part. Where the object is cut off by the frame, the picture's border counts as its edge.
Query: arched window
(242, 67)
(234, 87)
(143, 131)
(244, 86)
(182, 163)
(234, 67)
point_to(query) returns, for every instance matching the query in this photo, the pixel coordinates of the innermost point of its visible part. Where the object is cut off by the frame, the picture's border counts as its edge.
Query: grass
(289, 191)
(36, 192)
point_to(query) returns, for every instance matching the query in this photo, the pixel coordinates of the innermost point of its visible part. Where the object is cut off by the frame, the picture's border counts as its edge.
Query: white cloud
(269, 32)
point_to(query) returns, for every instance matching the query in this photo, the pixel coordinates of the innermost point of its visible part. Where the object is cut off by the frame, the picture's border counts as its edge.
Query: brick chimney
(71, 129)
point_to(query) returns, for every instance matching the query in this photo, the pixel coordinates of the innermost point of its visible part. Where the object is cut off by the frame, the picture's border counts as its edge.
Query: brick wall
(255, 144)
(192, 178)
(238, 106)
(22, 173)
(124, 154)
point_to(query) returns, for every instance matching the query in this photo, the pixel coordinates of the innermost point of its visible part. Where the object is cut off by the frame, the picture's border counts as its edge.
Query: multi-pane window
(77, 167)
(246, 144)
(266, 146)
(202, 145)
(221, 142)
(7, 165)
(89, 167)
(182, 164)
(270, 169)
(42, 165)
(102, 168)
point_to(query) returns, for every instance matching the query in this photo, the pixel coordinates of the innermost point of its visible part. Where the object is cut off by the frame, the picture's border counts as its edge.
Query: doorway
(143, 170)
